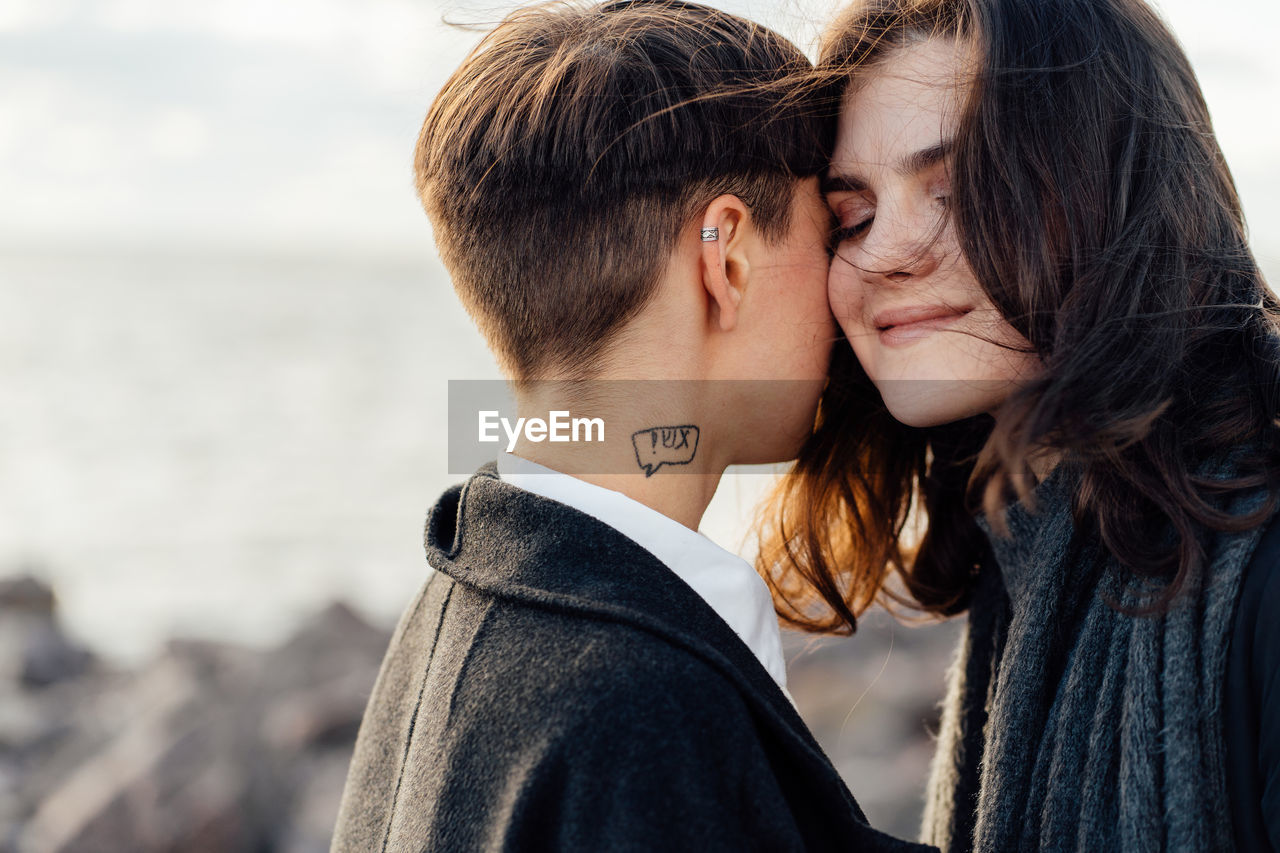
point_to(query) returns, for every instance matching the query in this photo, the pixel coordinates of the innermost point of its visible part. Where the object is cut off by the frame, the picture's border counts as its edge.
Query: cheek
(844, 292)
(803, 287)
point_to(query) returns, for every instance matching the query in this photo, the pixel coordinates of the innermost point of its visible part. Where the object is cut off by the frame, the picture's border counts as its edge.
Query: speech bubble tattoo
(669, 445)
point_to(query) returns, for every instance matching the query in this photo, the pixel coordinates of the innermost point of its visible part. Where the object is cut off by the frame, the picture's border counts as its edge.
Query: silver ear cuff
(710, 235)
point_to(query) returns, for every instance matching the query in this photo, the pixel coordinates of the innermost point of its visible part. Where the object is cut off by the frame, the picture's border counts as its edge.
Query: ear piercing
(710, 235)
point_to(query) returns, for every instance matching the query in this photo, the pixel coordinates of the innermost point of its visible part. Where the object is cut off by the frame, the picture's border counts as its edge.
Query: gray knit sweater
(1069, 725)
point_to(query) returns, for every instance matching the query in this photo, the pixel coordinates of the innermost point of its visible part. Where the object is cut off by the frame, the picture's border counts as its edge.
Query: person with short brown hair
(565, 155)
(626, 197)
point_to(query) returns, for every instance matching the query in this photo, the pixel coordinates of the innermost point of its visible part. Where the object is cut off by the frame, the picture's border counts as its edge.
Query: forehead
(907, 102)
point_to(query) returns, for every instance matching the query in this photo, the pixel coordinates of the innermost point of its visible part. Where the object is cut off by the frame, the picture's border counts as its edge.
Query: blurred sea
(218, 445)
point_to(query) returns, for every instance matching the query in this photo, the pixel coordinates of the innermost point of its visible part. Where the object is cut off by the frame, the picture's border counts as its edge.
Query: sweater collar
(1039, 529)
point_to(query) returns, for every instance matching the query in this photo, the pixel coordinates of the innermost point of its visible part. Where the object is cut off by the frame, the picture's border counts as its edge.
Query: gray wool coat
(555, 687)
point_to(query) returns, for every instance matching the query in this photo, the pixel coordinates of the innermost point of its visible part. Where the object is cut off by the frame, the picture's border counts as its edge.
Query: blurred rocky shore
(210, 747)
(214, 747)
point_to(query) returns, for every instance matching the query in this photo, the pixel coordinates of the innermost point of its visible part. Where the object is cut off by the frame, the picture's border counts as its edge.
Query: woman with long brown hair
(1057, 410)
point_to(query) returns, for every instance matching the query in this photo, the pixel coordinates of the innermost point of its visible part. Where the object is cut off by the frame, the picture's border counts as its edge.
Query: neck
(651, 441)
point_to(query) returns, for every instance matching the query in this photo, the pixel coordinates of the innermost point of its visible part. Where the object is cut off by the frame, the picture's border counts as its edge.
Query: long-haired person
(1061, 418)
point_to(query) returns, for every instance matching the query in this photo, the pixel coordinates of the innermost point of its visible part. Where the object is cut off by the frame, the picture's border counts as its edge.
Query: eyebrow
(912, 164)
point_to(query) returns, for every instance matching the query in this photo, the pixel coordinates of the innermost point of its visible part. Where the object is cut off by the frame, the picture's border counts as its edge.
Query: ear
(725, 269)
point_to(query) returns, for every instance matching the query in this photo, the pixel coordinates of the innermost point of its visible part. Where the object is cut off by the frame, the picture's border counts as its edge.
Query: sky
(289, 124)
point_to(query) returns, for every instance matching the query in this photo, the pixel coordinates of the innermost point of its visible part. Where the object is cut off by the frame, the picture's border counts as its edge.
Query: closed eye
(851, 232)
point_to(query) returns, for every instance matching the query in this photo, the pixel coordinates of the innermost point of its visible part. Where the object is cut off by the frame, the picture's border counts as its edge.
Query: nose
(901, 245)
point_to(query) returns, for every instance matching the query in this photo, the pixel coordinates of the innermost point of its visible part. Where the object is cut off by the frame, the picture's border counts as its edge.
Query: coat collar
(722, 579)
(513, 544)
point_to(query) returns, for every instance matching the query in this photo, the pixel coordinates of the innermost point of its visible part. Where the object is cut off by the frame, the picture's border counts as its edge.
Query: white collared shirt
(724, 580)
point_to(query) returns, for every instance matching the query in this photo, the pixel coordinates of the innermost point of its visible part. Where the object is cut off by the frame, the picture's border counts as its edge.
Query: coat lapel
(517, 545)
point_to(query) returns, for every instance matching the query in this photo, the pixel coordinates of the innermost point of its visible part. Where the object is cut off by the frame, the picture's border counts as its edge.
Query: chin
(925, 403)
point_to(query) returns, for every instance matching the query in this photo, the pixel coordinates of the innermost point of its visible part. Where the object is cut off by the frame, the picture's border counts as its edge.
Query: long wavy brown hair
(1094, 206)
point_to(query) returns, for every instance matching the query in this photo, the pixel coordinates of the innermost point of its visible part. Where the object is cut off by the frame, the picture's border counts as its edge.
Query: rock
(33, 648)
(26, 594)
(155, 788)
(212, 747)
(51, 657)
(871, 701)
(320, 782)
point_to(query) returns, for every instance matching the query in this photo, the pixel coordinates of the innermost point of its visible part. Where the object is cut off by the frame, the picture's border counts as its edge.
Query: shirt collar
(724, 580)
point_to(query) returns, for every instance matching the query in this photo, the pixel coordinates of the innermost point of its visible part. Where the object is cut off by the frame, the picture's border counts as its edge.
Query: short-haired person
(624, 191)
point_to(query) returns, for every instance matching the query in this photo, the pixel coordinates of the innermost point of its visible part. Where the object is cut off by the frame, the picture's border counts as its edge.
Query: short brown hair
(560, 160)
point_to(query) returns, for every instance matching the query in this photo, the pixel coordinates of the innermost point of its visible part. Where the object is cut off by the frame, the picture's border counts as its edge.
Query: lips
(902, 326)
